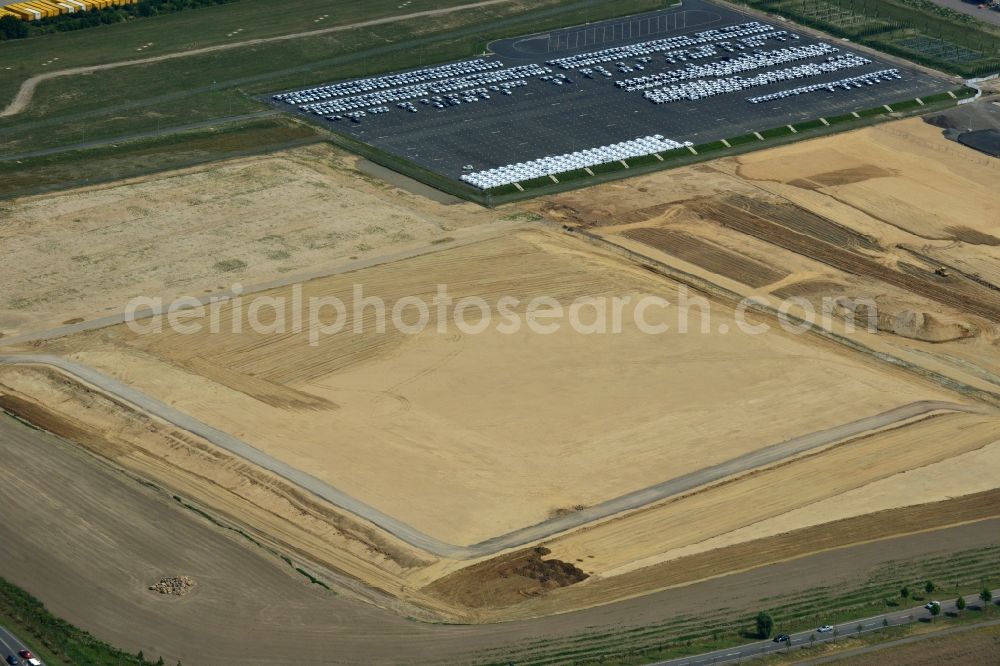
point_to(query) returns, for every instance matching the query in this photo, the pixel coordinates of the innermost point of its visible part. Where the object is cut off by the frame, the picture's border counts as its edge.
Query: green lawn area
(775, 132)
(711, 147)
(98, 165)
(904, 105)
(808, 125)
(742, 140)
(207, 26)
(141, 98)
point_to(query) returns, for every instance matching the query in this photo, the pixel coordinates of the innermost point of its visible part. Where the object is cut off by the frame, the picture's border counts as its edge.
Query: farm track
(742, 215)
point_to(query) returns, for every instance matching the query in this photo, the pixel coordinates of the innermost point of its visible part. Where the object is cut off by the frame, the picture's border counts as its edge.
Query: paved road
(878, 647)
(10, 644)
(513, 539)
(801, 640)
(27, 89)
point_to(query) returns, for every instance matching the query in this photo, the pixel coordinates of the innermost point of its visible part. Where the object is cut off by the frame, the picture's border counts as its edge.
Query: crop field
(541, 96)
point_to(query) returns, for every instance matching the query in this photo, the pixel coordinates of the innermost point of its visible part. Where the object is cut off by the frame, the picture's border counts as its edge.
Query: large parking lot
(576, 97)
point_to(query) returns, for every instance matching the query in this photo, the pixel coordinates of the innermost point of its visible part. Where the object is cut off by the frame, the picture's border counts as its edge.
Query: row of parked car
(832, 86)
(551, 165)
(693, 90)
(728, 34)
(426, 90)
(371, 84)
(437, 101)
(748, 62)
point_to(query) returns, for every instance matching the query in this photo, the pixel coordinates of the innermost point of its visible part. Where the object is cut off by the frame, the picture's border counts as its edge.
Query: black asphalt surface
(544, 119)
(10, 645)
(803, 640)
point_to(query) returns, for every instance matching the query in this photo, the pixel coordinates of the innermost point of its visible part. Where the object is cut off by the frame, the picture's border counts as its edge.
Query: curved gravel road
(520, 537)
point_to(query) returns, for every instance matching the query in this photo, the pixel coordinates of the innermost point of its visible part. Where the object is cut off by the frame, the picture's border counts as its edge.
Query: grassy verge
(111, 163)
(56, 641)
(961, 573)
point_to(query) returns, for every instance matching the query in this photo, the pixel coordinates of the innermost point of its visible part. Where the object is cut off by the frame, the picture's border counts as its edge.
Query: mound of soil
(985, 141)
(924, 326)
(506, 580)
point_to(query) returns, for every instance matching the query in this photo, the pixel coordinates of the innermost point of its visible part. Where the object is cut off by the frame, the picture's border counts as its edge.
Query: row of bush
(12, 28)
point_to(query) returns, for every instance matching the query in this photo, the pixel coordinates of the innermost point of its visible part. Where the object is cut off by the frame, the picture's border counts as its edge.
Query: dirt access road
(520, 537)
(27, 89)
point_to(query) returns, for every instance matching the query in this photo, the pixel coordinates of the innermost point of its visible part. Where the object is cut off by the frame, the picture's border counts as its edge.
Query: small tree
(159, 662)
(935, 610)
(860, 629)
(765, 624)
(885, 622)
(960, 604)
(141, 657)
(987, 598)
(929, 587)
(904, 592)
(812, 639)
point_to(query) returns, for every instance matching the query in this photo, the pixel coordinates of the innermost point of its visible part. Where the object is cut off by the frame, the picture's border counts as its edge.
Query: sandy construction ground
(466, 436)
(249, 607)
(379, 416)
(84, 254)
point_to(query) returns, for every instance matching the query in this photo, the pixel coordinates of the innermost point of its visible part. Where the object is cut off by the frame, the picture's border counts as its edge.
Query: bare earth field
(85, 253)
(522, 439)
(466, 437)
(91, 561)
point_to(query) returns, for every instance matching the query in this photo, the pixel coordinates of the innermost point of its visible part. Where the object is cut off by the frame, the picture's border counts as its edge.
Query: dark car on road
(782, 638)
(12, 660)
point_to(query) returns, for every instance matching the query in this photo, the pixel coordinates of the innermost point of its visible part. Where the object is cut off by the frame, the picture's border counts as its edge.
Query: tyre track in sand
(533, 533)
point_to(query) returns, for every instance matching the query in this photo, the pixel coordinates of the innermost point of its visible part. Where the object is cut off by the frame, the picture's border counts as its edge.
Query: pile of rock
(175, 585)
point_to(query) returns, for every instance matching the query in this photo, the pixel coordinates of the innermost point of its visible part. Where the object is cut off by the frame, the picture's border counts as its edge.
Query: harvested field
(82, 509)
(473, 463)
(201, 230)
